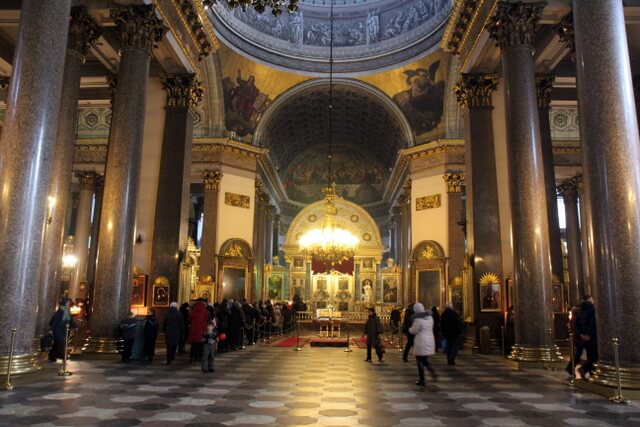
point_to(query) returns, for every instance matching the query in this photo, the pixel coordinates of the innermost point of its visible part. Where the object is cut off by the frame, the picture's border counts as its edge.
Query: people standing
(437, 334)
(150, 335)
(395, 319)
(174, 331)
(586, 331)
(208, 346)
(58, 328)
(406, 324)
(373, 330)
(198, 319)
(451, 327)
(424, 342)
(128, 331)
(184, 311)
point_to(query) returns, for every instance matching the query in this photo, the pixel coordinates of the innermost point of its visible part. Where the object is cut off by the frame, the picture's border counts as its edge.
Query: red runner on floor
(291, 342)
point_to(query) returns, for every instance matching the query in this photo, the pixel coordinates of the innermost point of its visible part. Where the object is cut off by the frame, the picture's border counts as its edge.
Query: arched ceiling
(368, 35)
(368, 130)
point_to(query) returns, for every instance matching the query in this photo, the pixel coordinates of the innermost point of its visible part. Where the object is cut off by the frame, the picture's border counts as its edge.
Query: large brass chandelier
(259, 5)
(329, 244)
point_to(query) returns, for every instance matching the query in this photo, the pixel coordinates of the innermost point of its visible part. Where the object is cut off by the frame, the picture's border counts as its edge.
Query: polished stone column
(611, 155)
(26, 164)
(276, 235)
(210, 223)
(392, 236)
(473, 93)
(170, 230)
(83, 231)
(569, 192)
(513, 28)
(406, 248)
(4, 88)
(270, 213)
(139, 30)
(397, 243)
(544, 86)
(82, 32)
(456, 253)
(95, 234)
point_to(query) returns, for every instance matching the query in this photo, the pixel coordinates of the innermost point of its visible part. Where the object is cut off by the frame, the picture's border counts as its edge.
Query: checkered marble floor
(317, 386)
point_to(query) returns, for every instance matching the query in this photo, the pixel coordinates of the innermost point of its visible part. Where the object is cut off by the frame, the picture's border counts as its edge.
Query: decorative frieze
(428, 202)
(183, 90)
(83, 31)
(237, 200)
(454, 181)
(544, 86)
(514, 24)
(474, 90)
(137, 26)
(211, 180)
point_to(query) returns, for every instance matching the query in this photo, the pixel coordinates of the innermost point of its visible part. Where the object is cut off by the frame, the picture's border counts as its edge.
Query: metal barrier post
(348, 349)
(7, 384)
(243, 343)
(254, 331)
(64, 372)
(400, 346)
(269, 329)
(572, 378)
(297, 334)
(502, 339)
(618, 398)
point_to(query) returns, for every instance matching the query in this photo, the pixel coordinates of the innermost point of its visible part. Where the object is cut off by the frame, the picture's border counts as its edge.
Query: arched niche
(235, 270)
(429, 274)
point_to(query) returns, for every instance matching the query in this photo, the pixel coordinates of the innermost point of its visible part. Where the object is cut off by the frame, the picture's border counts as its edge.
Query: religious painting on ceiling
(358, 177)
(244, 103)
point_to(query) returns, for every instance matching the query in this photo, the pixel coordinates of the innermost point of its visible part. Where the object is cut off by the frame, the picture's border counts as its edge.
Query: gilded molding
(211, 179)
(463, 15)
(183, 90)
(455, 181)
(214, 145)
(83, 31)
(571, 187)
(137, 26)
(87, 180)
(194, 23)
(544, 86)
(428, 202)
(565, 31)
(474, 90)
(514, 24)
(237, 200)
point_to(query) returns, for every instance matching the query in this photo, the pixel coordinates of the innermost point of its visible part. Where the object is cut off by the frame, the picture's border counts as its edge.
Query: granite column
(170, 230)
(209, 247)
(82, 32)
(569, 192)
(513, 28)
(270, 213)
(455, 183)
(95, 234)
(544, 86)
(275, 251)
(26, 165)
(409, 286)
(139, 30)
(611, 154)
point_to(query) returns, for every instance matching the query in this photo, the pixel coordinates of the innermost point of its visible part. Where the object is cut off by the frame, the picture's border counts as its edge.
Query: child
(208, 341)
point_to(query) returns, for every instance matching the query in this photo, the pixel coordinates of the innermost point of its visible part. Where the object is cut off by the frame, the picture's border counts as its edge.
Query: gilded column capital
(87, 180)
(395, 211)
(258, 185)
(570, 188)
(270, 211)
(211, 180)
(392, 222)
(112, 83)
(474, 90)
(183, 90)
(4, 83)
(514, 24)
(455, 181)
(565, 31)
(137, 26)
(83, 31)
(544, 86)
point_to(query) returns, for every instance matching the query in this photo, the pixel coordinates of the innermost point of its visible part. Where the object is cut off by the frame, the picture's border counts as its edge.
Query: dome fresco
(368, 35)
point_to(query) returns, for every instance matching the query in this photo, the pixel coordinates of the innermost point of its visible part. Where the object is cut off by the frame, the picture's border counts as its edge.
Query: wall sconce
(139, 239)
(51, 203)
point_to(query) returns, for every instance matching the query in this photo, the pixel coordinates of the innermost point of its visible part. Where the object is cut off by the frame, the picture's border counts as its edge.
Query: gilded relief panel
(236, 200)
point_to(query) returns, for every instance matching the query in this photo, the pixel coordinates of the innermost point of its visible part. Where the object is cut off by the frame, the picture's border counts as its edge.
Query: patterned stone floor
(317, 386)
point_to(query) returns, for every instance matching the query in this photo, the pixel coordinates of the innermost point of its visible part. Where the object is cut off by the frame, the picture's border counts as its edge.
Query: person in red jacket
(198, 318)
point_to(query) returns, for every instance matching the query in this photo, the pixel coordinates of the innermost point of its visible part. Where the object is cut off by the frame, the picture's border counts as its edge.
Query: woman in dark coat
(150, 335)
(197, 327)
(184, 311)
(173, 331)
(58, 328)
(373, 330)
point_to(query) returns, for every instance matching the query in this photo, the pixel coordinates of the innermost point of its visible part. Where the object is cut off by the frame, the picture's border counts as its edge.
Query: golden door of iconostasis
(334, 290)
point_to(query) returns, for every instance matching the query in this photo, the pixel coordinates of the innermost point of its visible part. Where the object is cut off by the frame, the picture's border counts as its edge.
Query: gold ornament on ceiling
(355, 218)
(235, 250)
(366, 237)
(489, 279)
(312, 218)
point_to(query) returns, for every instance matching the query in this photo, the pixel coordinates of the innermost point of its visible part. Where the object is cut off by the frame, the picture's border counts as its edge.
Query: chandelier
(329, 244)
(259, 5)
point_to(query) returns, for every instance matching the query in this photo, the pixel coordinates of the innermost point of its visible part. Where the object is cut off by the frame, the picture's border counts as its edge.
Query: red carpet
(328, 342)
(291, 342)
(360, 342)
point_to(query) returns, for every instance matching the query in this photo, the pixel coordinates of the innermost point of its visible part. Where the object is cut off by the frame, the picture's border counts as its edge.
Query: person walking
(424, 342)
(173, 331)
(586, 331)
(406, 324)
(208, 346)
(150, 335)
(450, 324)
(373, 330)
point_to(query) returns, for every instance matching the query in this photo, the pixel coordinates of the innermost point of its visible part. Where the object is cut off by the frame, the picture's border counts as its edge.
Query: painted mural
(423, 101)
(244, 103)
(358, 176)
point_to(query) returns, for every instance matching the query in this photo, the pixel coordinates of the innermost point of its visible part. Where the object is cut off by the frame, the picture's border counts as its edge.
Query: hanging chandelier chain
(330, 157)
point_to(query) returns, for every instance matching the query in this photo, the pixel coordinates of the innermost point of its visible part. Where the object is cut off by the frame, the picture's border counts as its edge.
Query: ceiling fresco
(367, 36)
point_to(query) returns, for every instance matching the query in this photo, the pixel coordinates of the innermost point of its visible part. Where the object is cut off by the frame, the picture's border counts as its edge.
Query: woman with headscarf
(424, 343)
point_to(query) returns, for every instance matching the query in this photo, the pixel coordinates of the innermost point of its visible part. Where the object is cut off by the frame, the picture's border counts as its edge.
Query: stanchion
(618, 398)
(400, 346)
(63, 371)
(254, 332)
(269, 330)
(502, 339)
(297, 334)
(8, 385)
(243, 339)
(572, 378)
(348, 349)
(263, 330)
(550, 366)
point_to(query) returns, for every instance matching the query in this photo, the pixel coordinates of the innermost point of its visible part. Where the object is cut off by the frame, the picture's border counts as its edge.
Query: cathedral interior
(482, 155)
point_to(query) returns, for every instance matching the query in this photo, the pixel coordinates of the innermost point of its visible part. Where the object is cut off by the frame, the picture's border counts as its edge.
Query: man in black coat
(150, 335)
(173, 331)
(407, 318)
(586, 332)
(451, 329)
